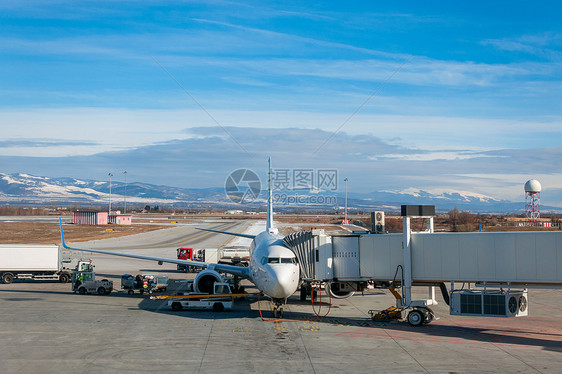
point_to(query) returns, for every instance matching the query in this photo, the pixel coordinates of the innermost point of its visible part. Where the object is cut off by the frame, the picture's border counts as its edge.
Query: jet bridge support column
(406, 244)
(420, 312)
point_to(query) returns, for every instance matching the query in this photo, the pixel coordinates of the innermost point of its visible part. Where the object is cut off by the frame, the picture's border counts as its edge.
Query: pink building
(120, 219)
(91, 218)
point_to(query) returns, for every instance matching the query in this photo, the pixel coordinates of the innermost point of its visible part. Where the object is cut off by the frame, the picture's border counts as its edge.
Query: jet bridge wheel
(416, 317)
(428, 315)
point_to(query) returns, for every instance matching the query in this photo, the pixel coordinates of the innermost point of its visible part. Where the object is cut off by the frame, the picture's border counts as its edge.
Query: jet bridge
(516, 258)
(506, 259)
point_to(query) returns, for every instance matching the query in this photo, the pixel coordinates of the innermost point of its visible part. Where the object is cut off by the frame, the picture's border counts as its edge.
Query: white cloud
(207, 155)
(430, 156)
(119, 129)
(543, 45)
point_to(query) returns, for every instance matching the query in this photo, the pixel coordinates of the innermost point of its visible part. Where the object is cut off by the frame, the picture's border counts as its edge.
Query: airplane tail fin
(269, 224)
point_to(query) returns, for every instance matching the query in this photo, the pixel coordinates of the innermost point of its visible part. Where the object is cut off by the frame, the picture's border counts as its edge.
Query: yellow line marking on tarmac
(199, 296)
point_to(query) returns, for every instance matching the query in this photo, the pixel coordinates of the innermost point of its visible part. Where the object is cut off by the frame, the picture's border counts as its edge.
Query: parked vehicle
(218, 301)
(35, 261)
(148, 283)
(236, 255)
(228, 255)
(185, 254)
(85, 282)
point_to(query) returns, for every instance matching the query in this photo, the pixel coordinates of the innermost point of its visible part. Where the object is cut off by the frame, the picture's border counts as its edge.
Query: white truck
(219, 301)
(34, 261)
(235, 255)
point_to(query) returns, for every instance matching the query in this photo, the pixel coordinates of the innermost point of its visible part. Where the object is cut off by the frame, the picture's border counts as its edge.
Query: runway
(46, 328)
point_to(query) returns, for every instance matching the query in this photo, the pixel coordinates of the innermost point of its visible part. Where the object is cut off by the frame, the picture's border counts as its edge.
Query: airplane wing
(229, 269)
(230, 233)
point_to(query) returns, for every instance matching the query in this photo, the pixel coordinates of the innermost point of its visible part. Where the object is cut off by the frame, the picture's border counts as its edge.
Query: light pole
(125, 197)
(109, 211)
(345, 220)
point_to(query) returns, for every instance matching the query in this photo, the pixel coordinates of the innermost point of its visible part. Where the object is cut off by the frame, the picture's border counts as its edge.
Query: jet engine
(205, 280)
(339, 290)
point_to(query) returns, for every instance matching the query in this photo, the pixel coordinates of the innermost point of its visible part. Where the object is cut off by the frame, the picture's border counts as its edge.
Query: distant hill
(25, 189)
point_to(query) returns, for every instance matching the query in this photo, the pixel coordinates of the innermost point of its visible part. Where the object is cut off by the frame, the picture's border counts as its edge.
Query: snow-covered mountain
(25, 188)
(29, 189)
(445, 200)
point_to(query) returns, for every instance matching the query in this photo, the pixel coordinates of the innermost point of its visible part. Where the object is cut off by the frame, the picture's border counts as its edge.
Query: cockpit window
(273, 260)
(290, 260)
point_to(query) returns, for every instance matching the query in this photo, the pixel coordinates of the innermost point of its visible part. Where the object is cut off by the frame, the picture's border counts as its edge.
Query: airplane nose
(284, 283)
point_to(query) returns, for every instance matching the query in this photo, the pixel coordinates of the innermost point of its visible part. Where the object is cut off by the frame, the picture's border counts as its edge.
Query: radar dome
(532, 185)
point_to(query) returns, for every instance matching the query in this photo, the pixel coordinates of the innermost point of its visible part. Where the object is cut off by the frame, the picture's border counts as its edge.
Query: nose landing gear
(277, 311)
(278, 308)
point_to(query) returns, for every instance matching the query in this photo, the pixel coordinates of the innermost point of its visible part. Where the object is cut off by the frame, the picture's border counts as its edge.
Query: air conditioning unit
(489, 303)
(379, 222)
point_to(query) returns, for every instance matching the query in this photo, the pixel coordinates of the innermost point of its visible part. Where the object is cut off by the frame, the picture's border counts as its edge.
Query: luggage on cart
(148, 283)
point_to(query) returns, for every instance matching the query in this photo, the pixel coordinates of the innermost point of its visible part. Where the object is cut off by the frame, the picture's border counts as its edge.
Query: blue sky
(439, 96)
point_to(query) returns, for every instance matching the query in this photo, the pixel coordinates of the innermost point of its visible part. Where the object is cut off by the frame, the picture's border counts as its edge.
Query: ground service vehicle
(228, 255)
(196, 254)
(184, 254)
(148, 283)
(236, 255)
(85, 282)
(34, 261)
(218, 301)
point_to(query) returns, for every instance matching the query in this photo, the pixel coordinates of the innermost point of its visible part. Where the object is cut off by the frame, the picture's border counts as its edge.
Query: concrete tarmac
(45, 328)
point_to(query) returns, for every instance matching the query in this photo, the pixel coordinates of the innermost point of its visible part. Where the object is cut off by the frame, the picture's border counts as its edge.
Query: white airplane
(273, 267)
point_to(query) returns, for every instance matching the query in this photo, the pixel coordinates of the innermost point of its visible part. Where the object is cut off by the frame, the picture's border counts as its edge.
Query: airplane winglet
(62, 234)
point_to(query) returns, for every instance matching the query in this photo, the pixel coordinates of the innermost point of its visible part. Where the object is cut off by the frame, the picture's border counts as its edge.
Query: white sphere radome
(533, 185)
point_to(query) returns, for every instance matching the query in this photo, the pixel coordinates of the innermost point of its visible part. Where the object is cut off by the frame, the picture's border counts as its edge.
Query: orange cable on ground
(318, 317)
(320, 302)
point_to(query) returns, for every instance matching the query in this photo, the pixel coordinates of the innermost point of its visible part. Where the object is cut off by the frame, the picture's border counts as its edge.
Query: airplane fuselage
(273, 267)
